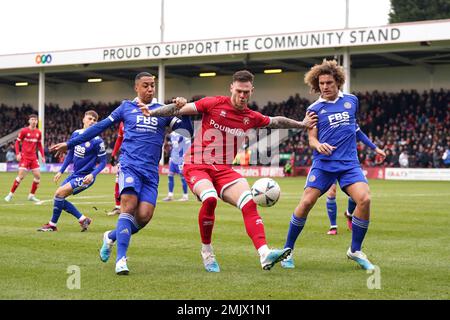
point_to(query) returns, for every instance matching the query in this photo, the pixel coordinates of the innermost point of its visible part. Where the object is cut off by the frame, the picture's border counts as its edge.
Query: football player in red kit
(30, 138)
(114, 160)
(208, 171)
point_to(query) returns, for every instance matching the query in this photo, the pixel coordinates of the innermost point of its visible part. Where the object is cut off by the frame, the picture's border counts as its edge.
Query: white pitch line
(50, 200)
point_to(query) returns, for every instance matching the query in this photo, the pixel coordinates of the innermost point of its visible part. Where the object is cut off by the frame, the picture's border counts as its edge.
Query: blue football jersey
(179, 145)
(143, 136)
(85, 156)
(337, 126)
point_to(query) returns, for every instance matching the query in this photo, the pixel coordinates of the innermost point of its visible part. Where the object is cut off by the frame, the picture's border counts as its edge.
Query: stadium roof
(427, 58)
(425, 44)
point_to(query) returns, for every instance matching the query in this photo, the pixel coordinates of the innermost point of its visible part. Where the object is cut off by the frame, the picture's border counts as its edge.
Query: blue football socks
(359, 229)
(332, 210)
(295, 227)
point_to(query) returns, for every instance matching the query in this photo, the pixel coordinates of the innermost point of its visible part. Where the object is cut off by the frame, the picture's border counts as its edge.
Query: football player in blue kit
(139, 163)
(335, 158)
(331, 194)
(89, 159)
(178, 144)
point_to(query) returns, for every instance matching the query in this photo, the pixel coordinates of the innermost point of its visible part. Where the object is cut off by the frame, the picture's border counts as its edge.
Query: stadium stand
(408, 122)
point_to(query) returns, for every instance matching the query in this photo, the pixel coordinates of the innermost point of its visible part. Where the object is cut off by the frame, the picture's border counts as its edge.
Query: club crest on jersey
(246, 120)
(28, 134)
(347, 105)
(87, 144)
(223, 113)
(193, 179)
(129, 180)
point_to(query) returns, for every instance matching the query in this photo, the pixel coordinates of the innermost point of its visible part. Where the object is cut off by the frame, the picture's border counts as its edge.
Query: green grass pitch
(408, 240)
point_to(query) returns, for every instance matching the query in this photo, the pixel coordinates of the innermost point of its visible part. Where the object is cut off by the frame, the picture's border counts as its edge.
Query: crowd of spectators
(413, 128)
(59, 125)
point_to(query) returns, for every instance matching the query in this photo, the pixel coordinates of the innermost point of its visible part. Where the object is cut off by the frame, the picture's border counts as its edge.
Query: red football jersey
(31, 140)
(223, 130)
(119, 140)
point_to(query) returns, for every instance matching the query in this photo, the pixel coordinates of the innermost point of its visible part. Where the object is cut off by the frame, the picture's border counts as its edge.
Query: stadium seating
(407, 121)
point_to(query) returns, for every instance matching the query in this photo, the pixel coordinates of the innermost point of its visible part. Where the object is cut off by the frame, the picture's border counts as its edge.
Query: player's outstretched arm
(179, 107)
(280, 122)
(361, 136)
(58, 148)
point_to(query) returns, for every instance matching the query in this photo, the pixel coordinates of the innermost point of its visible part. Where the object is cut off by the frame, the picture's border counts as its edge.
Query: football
(266, 192)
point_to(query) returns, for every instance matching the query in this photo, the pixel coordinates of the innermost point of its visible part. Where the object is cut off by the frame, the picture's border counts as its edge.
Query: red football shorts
(29, 163)
(221, 176)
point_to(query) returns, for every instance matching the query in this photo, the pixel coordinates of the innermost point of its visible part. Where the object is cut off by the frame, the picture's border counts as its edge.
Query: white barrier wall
(417, 174)
(277, 87)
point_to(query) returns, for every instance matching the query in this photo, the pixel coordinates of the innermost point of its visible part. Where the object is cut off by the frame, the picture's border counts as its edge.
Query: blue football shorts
(144, 183)
(175, 168)
(76, 182)
(323, 180)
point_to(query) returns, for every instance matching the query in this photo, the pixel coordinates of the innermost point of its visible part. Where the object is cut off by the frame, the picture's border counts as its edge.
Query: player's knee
(308, 202)
(210, 202)
(59, 193)
(364, 201)
(143, 220)
(19, 178)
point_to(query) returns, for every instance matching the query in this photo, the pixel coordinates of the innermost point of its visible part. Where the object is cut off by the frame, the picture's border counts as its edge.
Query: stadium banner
(374, 172)
(250, 171)
(417, 174)
(380, 35)
(51, 167)
(369, 172)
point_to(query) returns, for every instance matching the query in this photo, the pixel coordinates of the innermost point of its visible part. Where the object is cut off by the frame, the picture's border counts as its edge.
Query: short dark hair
(143, 74)
(243, 76)
(32, 116)
(91, 113)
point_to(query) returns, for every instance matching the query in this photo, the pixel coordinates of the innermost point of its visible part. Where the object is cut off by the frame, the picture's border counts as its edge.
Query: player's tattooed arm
(284, 123)
(177, 108)
(279, 122)
(168, 110)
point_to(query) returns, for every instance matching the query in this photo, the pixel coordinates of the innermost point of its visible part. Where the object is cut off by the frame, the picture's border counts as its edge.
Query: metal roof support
(346, 65)
(41, 104)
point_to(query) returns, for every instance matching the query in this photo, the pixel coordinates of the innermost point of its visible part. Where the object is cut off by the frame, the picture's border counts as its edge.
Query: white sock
(263, 250)
(170, 194)
(52, 224)
(82, 218)
(207, 247)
